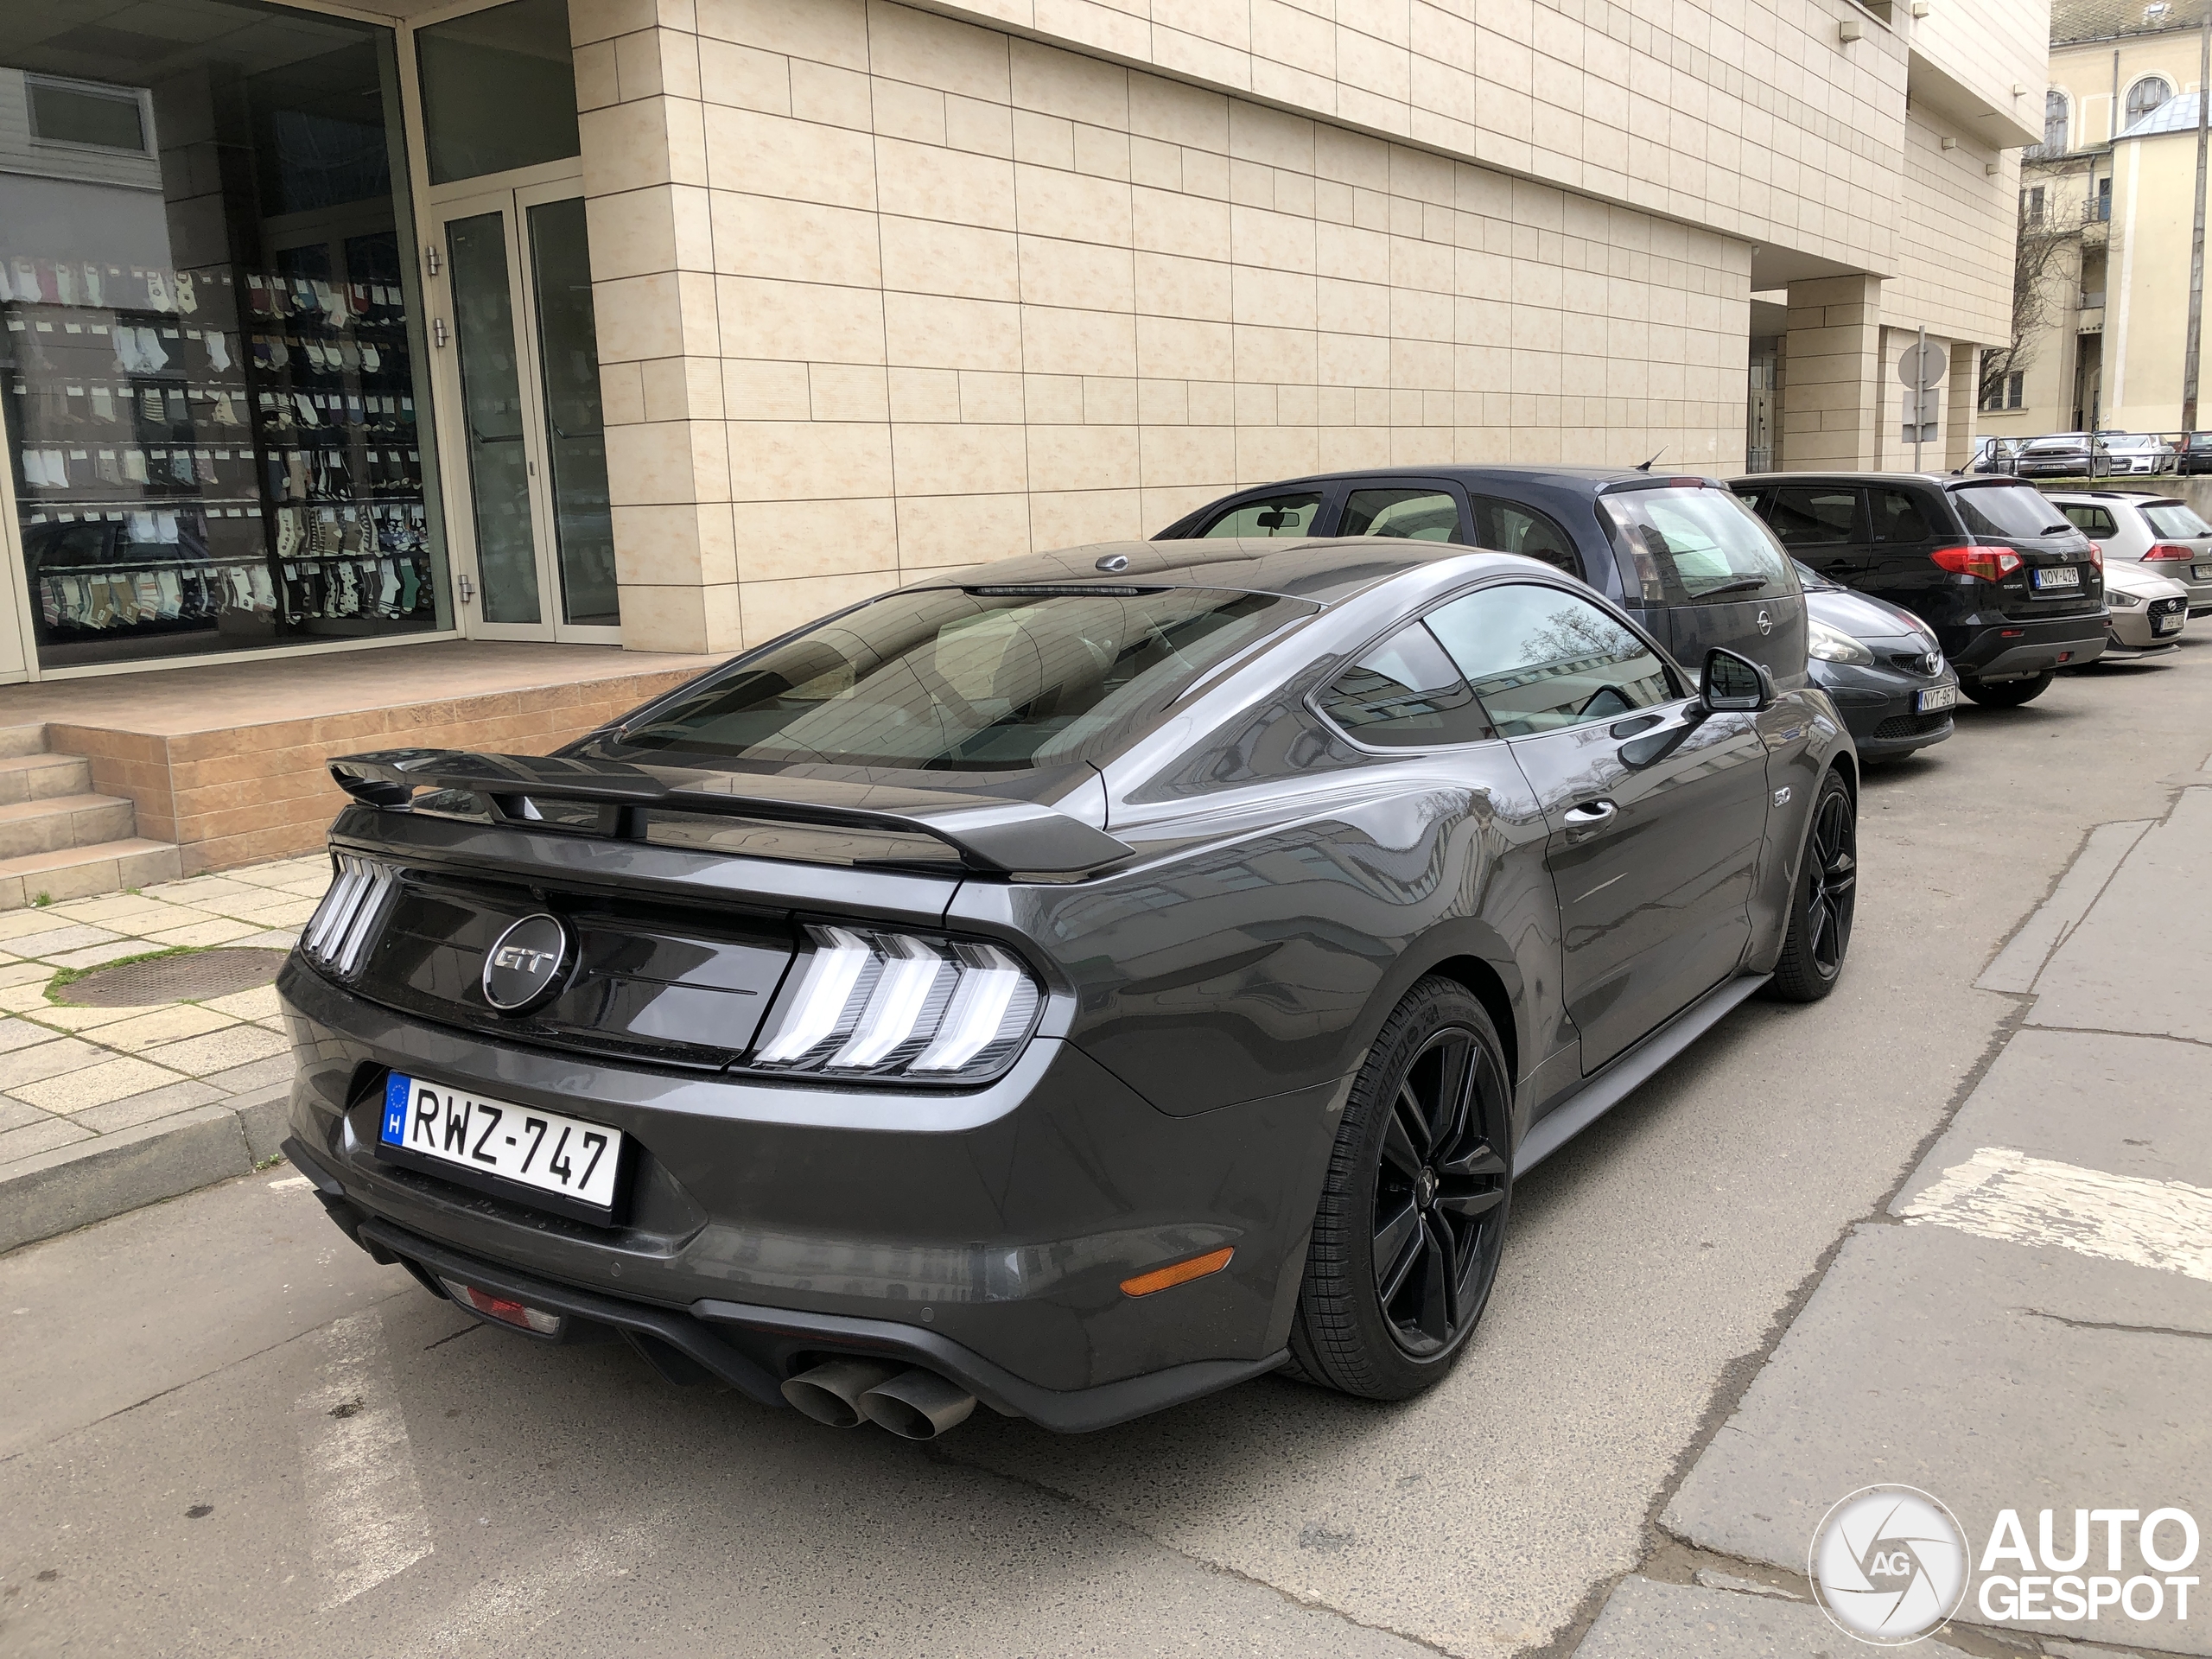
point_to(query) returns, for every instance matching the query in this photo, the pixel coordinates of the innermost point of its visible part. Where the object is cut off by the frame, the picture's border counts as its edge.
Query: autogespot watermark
(1890, 1564)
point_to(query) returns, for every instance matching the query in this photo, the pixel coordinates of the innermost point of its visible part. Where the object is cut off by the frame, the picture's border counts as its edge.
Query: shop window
(498, 90)
(209, 345)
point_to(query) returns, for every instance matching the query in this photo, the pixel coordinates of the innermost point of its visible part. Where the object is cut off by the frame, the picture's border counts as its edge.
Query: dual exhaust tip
(912, 1403)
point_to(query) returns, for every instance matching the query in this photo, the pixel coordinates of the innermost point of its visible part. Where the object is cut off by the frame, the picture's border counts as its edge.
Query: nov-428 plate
(562, 1162)
(2058, 576)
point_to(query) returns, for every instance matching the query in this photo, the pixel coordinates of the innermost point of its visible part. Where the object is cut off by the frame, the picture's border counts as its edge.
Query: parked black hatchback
(2013, 591)
(1674, 551)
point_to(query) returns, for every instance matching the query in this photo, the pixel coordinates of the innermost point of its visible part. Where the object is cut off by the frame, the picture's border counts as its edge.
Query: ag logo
(1889, 1564)
(526, 965)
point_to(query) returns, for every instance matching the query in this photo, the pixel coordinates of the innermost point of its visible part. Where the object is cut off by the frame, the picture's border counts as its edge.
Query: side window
(1512, 529)
(1272, 514)
(1813, 518)
(1405, 694)
(1415, 514)
(2096, 523)
(1897, 517)
(1540, 658)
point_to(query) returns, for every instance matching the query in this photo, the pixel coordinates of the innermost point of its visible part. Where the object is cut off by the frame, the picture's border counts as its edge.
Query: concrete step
(43, 777)
(23, 740)
(80, 871)
(63, 822)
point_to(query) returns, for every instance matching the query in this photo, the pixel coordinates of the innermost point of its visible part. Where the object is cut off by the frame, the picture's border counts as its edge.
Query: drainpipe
(2195, 345)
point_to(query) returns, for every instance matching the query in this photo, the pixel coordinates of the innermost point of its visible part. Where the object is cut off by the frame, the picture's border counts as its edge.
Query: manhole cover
(195, 978)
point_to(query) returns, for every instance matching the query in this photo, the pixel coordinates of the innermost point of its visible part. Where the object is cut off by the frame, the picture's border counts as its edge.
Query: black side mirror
(1732, 684)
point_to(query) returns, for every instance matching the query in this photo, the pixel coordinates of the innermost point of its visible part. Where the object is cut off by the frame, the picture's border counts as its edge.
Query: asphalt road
(226, 1431)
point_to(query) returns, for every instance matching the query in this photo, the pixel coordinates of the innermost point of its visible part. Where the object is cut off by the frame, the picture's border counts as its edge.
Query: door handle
(1589, 816)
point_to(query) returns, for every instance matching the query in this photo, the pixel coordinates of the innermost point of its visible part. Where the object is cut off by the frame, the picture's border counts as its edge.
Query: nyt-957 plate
(560, 1162)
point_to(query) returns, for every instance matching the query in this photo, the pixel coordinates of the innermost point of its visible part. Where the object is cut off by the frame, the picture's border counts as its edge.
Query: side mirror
(1734, 684)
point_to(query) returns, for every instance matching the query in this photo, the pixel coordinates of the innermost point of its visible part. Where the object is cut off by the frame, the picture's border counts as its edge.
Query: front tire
(1411, 1218)
(1824, 900)
(2007, 693)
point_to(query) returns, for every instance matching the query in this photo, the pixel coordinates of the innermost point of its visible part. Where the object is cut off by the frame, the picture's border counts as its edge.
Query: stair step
(23, 740)
(80, 871)
(42, 776)
(62, 822)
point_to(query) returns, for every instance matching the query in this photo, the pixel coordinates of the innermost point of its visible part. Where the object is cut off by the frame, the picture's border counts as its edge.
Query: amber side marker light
(1180, 1273)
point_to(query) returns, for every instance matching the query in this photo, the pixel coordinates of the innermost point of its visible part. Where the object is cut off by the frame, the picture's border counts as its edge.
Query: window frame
(1861, 533)
(2127, 99)
(1477, 500)
(1325, 511)
(1350, 488)
(1559, 582)
(142, 97)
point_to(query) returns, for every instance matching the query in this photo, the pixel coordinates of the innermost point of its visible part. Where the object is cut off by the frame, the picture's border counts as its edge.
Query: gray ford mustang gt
(1074, 986)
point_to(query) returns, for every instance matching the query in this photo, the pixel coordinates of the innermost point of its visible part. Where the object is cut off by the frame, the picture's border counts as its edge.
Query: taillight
(2096, 556)
(504, 1309)
(338, 933)
(870, 1003)
(2168, 551)
(1987, 563)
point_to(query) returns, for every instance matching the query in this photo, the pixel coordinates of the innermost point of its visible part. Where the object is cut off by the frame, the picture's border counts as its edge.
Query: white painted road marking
(364, 1505)
(497, 1610)
(291, 1184)
(2004, 1194)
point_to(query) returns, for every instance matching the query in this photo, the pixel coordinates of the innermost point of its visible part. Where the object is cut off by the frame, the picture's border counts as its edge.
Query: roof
(2075, 20)
(2177, 114)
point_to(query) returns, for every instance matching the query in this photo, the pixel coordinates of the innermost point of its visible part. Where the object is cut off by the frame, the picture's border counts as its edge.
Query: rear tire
(2007, 693)
(1822, 904)
(1411, 1218)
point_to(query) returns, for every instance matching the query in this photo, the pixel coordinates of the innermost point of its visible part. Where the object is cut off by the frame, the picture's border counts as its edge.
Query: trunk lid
(2059, 573)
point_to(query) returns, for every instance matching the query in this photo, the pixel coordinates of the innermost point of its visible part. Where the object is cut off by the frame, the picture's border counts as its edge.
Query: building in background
(675, 322)
(2107, 205)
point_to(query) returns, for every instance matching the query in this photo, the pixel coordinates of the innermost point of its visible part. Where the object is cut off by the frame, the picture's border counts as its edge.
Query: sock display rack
(206, 450)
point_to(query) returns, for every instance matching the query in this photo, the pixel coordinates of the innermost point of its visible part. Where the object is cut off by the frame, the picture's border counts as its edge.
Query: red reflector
(2009, 633)
(2065, 656)
(1984, 564)
(2168, 551)
(507, 1312)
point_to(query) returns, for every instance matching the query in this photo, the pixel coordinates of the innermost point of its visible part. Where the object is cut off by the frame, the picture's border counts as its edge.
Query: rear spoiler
(988, 832)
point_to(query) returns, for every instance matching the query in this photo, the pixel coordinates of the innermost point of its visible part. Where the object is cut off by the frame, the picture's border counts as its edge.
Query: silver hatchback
(2163, 533)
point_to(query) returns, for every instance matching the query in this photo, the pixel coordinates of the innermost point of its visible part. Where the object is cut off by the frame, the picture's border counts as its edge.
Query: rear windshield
(2009, 510)
(2175, 519)
(966, 680)
(1697, 546)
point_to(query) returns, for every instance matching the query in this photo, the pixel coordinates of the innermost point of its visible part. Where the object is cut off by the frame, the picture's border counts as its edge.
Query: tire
(1422, 1169)
(2007, 693)
(1825, 897)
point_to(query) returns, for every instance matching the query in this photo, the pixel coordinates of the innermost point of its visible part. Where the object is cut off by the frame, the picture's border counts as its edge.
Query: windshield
(966, 680)
(2175, 519)
(2009, 510)
(1698, 544)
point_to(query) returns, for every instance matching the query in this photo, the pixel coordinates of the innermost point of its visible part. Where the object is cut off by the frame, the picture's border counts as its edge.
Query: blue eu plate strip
(395, 1108)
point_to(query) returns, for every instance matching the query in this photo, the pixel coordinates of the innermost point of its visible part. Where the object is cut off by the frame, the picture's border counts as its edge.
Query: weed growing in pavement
(270, 1162)
(41, 901)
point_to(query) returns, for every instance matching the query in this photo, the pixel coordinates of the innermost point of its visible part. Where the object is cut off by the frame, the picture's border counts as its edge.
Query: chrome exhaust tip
(917, 1405)
(831, 1392)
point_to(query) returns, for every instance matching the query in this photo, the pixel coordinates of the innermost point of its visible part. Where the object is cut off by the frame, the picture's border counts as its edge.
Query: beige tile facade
(883, 291)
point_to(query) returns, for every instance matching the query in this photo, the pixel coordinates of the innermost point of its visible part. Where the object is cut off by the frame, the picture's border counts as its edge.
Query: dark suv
(2013, 591)
(1678, 552)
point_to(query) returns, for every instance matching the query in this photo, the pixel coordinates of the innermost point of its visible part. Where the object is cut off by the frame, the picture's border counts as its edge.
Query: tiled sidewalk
(68, 1075)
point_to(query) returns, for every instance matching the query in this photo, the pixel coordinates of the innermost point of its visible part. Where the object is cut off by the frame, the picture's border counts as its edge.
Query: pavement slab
(1646, 1619)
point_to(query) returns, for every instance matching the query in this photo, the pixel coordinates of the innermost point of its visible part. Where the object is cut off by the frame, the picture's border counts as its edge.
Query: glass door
(535, 537)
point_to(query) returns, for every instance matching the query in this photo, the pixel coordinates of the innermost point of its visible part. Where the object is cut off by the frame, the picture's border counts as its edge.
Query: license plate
(573, 1163)
(2201, 572)
(1934, 697)
(2166, 624)
(2058, 576)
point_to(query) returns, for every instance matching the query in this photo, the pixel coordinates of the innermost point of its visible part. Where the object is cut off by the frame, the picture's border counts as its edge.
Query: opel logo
(1766, 622)
(527, 963)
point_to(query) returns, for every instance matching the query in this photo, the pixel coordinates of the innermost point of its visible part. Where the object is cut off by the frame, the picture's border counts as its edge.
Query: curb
(74, 1186)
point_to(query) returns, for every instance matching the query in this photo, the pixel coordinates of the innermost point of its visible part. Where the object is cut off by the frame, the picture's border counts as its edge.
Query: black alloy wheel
(1826, 899)
(1412, 1220)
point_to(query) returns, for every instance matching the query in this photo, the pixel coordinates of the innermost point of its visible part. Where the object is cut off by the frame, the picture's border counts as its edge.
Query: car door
(1656, 811)
(1906, 528)
(1412, 509)
(1823, 525)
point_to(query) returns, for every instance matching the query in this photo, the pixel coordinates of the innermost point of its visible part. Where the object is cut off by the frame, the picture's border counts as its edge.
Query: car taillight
(871, 1003)
(2096, 556)
(337, 935)
(2168, 551)
(1988, 564)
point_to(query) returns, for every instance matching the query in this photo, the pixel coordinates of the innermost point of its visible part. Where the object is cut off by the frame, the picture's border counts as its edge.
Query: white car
(2145, 611)
(2161, 532)
(2123, 453)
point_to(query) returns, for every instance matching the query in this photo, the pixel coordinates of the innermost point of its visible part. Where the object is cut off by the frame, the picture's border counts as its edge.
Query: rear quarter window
(2009, 510)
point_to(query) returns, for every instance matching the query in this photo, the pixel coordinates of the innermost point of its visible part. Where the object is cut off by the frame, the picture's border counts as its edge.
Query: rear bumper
(2015, 650)
(983, 1233)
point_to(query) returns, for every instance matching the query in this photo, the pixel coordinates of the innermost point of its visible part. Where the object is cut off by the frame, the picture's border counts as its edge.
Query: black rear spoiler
(988, 832)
